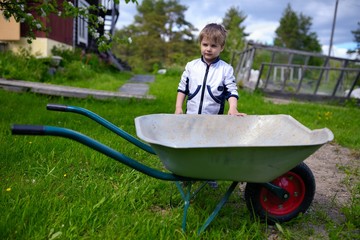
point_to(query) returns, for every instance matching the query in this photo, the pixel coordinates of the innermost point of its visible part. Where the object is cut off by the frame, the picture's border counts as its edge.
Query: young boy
(208, 81)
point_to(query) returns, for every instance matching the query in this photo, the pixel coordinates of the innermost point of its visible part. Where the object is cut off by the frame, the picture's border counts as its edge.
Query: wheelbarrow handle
(112, 127)
(106, 150)
(56, 107)
(18, 129)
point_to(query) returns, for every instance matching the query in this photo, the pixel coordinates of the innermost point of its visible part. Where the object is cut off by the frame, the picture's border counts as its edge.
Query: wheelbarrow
(265, 151)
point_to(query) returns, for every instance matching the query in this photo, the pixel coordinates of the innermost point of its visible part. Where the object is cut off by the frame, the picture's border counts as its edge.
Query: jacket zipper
(203, 89)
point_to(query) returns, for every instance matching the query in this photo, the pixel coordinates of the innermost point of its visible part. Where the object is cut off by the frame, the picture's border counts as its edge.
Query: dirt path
(331, 192)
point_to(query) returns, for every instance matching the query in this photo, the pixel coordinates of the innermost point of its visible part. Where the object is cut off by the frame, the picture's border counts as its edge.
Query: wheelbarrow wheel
(298, 182)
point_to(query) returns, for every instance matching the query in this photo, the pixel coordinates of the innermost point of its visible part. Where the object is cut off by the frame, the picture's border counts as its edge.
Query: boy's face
(210, 49)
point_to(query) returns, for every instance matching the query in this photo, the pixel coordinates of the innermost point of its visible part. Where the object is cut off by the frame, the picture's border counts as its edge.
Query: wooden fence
(288, 73)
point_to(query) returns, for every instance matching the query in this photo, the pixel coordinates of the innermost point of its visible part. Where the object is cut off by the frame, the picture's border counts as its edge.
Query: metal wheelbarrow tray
(223, 147)
(265, 151)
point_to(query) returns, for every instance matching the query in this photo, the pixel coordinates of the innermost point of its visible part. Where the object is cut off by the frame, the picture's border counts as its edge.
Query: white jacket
(207, 86)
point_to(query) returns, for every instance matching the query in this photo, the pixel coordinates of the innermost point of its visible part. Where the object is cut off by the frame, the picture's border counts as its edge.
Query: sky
(263, 17)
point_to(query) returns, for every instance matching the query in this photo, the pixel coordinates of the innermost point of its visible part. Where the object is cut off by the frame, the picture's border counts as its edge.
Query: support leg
(186, 196)
(218, 207)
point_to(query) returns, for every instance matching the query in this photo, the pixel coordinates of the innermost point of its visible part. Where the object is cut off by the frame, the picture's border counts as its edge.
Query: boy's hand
(179, 103)
(236, 113)
(233, 107)
(178, 111)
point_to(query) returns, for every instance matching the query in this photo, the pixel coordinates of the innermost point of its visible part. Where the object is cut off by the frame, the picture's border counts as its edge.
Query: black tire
(264, 204)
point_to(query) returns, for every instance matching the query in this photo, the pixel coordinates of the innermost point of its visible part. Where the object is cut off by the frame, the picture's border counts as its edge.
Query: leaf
(279, 227)
(99, 203)
(55, 235)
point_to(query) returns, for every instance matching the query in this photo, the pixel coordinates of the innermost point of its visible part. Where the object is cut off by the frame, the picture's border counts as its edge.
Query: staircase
(110, 17)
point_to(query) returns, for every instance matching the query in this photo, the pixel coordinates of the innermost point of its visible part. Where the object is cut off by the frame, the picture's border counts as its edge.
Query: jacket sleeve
(230, 83)
(184, 81)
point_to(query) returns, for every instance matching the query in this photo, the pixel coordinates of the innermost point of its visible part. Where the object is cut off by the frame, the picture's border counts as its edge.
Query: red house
(65, 33)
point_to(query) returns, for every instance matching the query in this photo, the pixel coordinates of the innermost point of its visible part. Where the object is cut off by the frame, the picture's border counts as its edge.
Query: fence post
(270, 68)
(259, 77)
(252, 54)
(286, 75)
(341, 76)
(302, 73)
(321, 74)
(353, 85)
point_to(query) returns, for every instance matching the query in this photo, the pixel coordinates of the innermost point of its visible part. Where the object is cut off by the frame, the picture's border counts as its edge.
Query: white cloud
(127, 13)
(261, 30)
(338, 51)
(321, 12)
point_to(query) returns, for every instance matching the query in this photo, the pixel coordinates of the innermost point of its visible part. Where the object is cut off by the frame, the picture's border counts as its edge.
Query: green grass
(98, 81)
(74, 70)
(54, 188)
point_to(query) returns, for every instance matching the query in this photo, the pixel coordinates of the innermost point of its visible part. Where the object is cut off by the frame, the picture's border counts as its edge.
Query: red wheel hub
(274, 205)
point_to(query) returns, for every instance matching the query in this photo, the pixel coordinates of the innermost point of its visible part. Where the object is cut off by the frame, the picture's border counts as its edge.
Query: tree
(236, 32)
(308, 40)
(160, 36)
(294, 32)
(356, 34)
(30, 13)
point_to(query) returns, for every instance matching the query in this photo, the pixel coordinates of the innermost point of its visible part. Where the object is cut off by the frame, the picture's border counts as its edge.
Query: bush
(175, 71)
(76, 70)
(67, 55)
(23, 66)
(75, 65)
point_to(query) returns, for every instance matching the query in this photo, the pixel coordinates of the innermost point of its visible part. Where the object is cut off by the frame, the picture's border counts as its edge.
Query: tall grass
(75, 69)
(54, 188)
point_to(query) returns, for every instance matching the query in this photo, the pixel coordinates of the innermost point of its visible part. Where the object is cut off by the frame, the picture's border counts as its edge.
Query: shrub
(175, 71)
(23, 66)
(75, 65)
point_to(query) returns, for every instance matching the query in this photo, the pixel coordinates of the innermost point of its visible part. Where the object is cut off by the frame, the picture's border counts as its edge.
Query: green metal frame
(103, 122)
(187, 195)
(185, 192)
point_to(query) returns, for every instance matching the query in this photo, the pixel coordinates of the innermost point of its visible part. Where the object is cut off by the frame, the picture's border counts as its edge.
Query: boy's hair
(215, 32)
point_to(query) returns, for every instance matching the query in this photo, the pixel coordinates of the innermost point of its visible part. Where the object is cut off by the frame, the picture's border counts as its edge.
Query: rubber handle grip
(56, 107)
(27, 130)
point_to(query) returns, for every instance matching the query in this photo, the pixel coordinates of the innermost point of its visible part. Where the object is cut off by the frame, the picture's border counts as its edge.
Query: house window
(82, 25)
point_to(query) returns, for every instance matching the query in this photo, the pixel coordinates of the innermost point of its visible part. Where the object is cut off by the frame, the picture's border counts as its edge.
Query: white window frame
(82, 25)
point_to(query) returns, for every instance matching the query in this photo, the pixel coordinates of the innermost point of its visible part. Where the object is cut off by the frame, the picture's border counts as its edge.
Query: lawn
(54, 188)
